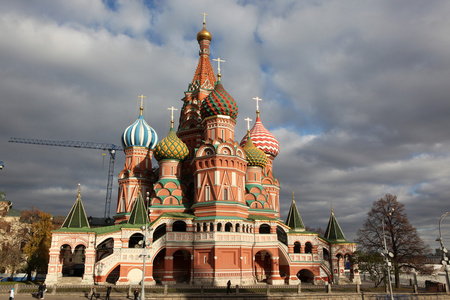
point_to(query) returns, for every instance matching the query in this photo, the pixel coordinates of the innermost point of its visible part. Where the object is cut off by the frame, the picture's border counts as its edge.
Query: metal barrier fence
(196, 289)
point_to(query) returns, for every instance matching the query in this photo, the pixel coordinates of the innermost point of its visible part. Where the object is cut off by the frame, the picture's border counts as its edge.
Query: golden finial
(142, 103)
(293, 196)
(79, 191)
(332, 208)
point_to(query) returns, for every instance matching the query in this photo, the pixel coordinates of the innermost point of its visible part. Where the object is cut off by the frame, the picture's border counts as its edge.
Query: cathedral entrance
(182, 266)
(73, 263)
(158, 266)
(263, 266)
(306, 275)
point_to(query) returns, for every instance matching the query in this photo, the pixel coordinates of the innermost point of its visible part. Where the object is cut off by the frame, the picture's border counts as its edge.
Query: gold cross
(172, 109)
(248, 123)
(218, 64)
(257, 102)
(142, 103)
(204, 17)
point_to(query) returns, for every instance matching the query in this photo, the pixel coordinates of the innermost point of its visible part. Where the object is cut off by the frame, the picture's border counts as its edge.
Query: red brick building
(212, 206)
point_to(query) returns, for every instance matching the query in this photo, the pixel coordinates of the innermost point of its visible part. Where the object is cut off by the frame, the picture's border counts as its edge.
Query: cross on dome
(142, 97)
(218, 64)
(257, 99)
(248, 123)
(172, 109)
(204, 17)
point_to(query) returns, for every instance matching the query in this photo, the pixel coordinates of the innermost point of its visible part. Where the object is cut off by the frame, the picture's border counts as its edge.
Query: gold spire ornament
(204, 34)
(142, 97)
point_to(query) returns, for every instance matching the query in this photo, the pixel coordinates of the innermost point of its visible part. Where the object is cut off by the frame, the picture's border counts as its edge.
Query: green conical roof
(334, 231)
(138, 214)
(293, 219)
(77, 216)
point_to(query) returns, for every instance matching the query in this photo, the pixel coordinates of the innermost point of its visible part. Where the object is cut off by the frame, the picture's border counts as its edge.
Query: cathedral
(209, 212)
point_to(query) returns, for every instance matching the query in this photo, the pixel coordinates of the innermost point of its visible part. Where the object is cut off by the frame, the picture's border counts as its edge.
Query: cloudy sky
(356, 92)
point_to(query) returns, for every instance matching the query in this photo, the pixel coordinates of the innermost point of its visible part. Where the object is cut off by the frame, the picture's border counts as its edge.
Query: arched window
(179, 226)
(237, 228)
(211, 227)
(198, 227)
(264, 229)
(296, 247)
(205, 228)
(219, 227)
(308, 247)
(133, 242)
(228, 227)
(225, 194)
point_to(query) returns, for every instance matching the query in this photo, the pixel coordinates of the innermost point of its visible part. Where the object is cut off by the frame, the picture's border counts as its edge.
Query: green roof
(13, 213)
(334, 232)
(293, 219)
(77, 216)
(139, 213)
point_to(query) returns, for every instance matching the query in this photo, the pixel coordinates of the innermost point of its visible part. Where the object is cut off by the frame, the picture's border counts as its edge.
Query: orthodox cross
(248, 123)
(142, 103)
(204, 17)
(218, 64)
(257, 102)
(172, 109)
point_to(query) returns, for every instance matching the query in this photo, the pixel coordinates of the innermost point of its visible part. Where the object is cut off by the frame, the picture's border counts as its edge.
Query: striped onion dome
(219, 102)
(139, 134)
(255, 156)
(263, 139)
(171, 147)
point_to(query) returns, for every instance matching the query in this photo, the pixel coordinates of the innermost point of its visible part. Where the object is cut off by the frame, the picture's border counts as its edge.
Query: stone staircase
(70, 281)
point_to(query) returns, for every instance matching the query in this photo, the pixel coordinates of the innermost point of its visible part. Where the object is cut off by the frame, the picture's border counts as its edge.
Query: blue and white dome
(139, 134)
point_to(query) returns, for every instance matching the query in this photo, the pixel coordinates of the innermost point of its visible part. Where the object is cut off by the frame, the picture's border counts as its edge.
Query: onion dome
(219, 102)
(204, 34)
(255, 156)
(139, 134)
(263, 139)
(171, 147)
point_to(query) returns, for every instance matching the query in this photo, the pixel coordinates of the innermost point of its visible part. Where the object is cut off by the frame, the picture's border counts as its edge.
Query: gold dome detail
(204, 34)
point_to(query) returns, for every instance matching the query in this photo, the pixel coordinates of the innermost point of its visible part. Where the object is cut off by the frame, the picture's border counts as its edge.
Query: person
(41, 289)
(44, 289)
(229, 286)
(11, 294)
(93, 292)
(108, 292)
(136, 294)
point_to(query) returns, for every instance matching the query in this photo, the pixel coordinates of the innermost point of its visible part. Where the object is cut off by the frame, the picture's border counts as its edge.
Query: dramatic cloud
(355, 92)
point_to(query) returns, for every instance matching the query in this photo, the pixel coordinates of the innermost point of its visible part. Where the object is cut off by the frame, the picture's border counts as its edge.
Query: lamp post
(144, 244)
(444, 251)
(386, 254)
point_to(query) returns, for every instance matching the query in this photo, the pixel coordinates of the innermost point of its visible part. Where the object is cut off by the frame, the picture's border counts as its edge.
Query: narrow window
(225, 194)
(207, 191)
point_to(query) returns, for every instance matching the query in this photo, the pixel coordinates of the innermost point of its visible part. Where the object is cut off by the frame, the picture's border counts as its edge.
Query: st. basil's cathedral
(209, 212)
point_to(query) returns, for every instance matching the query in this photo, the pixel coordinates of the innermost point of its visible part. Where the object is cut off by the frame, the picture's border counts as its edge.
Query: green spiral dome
(171, 147)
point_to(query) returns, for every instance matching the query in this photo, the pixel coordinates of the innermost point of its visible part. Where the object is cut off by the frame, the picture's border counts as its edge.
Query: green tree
(372, 264)
(402, 239)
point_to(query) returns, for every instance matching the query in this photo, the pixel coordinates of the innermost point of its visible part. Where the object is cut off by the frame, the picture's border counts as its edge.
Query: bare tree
(402, 239)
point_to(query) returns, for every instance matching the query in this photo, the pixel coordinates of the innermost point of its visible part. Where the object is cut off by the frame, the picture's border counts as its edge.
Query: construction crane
(88, 145)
